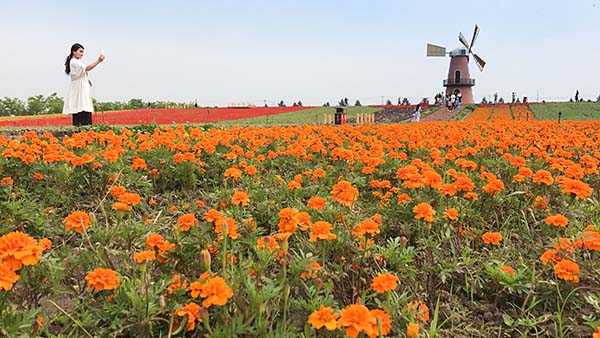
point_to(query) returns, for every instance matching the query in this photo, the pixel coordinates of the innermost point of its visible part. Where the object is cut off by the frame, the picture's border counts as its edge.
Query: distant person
(495, 98)
(577, 96)
(78, 101)
(514, 95)
(417, 113)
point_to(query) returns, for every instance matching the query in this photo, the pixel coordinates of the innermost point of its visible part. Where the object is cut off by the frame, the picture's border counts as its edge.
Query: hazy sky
(221, 52)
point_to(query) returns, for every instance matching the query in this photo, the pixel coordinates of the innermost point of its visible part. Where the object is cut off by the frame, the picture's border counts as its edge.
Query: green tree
(13, 106)
(36, 105)
(136, 104)
(357, 103)
(281, 103)
(299, 103)
(55, 104)
(388, 102)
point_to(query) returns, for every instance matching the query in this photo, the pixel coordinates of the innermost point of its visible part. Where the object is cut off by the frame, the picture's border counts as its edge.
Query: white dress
(79, 97)
(417, 116)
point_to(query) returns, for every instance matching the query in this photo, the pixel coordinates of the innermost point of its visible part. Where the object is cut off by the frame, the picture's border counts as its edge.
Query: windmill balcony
(459, 82)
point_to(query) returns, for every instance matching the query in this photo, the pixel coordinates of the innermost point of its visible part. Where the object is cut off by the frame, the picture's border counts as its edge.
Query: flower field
(467, 229)
(147, 116)
(501, 112)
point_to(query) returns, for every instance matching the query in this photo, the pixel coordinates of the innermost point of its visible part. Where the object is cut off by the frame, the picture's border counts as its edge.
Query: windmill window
(457, 77)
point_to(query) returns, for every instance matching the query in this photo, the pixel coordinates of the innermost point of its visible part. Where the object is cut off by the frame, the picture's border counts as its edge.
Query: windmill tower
(459, 79)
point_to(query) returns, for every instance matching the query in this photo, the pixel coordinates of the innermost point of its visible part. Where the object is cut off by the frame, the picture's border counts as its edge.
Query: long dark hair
(74, 48)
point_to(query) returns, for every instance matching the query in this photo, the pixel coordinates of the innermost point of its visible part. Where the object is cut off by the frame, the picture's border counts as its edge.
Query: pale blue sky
(220, 52)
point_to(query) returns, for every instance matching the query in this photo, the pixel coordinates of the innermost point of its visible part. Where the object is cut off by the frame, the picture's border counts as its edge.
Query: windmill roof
(459, 52)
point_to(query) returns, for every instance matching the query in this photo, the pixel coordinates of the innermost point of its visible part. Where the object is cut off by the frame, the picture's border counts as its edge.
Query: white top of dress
(79, 97)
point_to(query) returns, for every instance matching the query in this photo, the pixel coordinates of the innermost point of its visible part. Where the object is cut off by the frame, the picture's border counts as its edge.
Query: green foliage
(580, 111)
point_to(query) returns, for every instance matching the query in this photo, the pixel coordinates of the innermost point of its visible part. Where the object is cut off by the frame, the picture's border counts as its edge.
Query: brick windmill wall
(459, 77)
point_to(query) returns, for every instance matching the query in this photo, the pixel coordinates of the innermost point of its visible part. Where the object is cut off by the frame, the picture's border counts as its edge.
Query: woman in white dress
(78, 101)
(417, 113)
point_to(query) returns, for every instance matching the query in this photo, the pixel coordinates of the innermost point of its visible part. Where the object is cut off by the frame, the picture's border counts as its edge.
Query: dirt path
(442, 114)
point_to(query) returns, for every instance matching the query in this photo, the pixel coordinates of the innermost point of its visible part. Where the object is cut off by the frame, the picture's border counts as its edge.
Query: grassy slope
(307, 116)
(581, 111)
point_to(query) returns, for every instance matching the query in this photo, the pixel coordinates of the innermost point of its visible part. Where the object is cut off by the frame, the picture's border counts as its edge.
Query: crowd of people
(450, 100)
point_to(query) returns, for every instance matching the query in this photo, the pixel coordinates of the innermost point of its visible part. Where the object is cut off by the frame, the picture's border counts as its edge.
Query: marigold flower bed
(447, 229)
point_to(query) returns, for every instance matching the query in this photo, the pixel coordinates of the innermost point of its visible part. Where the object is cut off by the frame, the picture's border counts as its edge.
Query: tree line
(53, 104)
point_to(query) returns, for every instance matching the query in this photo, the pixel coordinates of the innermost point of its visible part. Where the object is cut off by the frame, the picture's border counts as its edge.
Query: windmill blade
(433, 50)
(462, 39)
(479, 61)
(475, 33)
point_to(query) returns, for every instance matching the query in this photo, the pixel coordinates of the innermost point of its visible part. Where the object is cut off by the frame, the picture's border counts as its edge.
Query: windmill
(459, 79)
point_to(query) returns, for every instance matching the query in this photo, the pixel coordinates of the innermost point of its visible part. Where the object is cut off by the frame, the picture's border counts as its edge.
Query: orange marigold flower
(18, 249)
(195, 288)
(7, 181)
(447, 190)
(78, 221)
(102, 279)
(344, 193)
(368, 226)
(288, 220)
(121, 206)
(212, 215)
(424, 211)
(233, 172)
(316, 202)
(386, 323)
(294, 185)
(493, 187)
(412, 330)
(230, 225)
(404, 198)
(464, 183)
(492, 238)
(240, 198)
(591, 239)
(557, 220)
(356, 318)
(192, 312)
(510, 271)
(146, 255)
(216, 292)
(186, 221)
(472, 196)
(597, 333)
(39, 176)
(384, 282)
(130, 198)
(567, 270)
(117, 191)
(139, 163)
(45, 244)
(549, 255)
(154, 241)
(543, 177)
(451, 214)
(575, 187)
(8, 277)
(324, 316)
(321, 230)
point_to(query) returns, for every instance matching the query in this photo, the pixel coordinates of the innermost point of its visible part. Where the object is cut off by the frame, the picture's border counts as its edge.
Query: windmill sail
(433, 50)
(475, 33)
(479, 61)
(462, 39)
